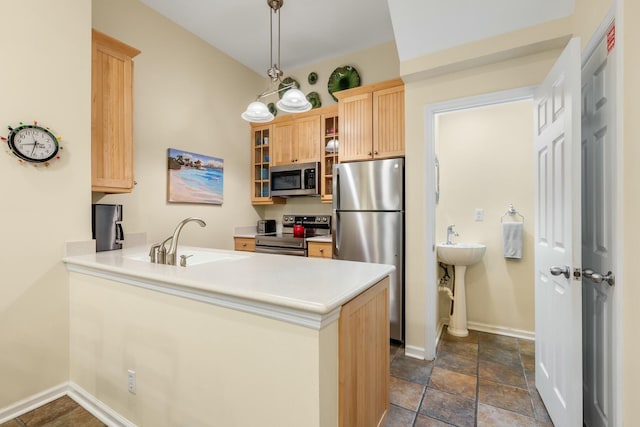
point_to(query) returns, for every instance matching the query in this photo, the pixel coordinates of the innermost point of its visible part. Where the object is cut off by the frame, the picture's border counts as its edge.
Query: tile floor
(482, 380)
(62, 412)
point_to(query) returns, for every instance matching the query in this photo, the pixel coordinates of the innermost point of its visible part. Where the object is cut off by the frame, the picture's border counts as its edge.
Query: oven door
(280, 251)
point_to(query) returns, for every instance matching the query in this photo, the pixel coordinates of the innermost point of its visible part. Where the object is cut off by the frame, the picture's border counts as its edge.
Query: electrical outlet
(131, 381)
(479, 216)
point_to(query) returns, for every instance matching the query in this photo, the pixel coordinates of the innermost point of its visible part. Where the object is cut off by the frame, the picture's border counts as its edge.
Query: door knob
(599, 277)
(565, 271)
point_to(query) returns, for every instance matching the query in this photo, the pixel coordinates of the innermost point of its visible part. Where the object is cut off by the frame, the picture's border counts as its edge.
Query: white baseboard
(415, 352)
(97, 408)
(32, 402)
(494, 329)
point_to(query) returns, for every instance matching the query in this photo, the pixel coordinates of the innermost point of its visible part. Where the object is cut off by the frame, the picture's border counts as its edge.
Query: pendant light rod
(274, 70)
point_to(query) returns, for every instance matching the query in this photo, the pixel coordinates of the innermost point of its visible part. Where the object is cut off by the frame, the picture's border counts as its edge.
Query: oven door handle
(280, 251)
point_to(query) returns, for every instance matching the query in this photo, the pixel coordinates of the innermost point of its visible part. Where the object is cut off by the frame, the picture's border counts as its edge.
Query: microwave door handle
(119, 232)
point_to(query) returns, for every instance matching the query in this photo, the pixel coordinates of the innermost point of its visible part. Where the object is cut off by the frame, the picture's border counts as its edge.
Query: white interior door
(598, 189)
(558, 294)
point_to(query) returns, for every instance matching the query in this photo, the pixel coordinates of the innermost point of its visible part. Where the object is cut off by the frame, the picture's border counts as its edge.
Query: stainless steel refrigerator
(368, 223)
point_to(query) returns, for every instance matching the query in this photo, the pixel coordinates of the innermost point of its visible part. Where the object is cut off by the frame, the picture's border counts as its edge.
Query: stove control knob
(324, 219)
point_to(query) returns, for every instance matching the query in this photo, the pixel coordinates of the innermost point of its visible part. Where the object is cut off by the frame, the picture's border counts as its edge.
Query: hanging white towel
(512, 239)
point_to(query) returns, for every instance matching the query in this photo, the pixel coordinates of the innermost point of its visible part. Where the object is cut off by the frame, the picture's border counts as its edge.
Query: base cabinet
(363, 354)
(320, 249)
(244, 244)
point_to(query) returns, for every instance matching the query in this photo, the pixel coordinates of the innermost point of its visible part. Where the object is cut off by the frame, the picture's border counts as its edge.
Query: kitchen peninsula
(235, 339)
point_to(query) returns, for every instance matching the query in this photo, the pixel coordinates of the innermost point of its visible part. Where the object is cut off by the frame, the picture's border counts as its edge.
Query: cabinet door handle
(375, 152)
(369, 153)
(321, 250)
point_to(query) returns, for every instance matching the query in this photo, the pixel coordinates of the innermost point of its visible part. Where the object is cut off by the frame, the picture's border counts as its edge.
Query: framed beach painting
(194, 178)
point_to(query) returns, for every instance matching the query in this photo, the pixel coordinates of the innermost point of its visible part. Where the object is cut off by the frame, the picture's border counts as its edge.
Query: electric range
(286, 243)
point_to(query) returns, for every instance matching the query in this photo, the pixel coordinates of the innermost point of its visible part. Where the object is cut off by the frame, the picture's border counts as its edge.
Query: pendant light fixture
(293, 100)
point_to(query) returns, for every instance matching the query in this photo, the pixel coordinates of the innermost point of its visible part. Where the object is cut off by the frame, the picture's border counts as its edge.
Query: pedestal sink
(460, 255)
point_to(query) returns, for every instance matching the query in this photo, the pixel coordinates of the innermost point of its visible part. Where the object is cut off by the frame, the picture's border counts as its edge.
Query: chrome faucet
(451, 233)
(170, 257)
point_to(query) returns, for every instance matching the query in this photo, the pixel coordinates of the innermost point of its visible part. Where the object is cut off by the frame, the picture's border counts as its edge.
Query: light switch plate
(479, 215)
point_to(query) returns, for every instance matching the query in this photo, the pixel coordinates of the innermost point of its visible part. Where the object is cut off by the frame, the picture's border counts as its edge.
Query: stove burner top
(314, 225)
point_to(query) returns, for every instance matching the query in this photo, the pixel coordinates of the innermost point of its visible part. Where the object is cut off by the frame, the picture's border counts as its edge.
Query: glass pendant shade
(294, 101)
(257, 112)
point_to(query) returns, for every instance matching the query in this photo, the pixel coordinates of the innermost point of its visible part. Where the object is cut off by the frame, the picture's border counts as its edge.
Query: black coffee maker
(106, 227)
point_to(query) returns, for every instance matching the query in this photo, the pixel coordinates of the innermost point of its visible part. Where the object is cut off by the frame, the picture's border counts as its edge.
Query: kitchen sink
(195, 256)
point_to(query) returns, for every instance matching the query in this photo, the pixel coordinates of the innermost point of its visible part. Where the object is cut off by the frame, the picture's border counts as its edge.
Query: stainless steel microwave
(297, 179)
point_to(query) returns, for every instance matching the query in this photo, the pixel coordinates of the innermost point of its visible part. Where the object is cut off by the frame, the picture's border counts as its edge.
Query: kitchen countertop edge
(309, 300)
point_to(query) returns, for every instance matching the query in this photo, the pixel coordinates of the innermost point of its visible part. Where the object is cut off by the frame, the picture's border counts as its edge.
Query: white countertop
(304, 288)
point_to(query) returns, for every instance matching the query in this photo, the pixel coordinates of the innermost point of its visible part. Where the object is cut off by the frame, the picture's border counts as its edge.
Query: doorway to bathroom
(599, 188)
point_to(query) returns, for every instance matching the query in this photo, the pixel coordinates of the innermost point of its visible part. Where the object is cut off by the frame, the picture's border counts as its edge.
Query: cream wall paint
(629, 23)
(187, 95)
(486, 162)
(197, 363)
(514, 73)
(46, 76)
(374, 65)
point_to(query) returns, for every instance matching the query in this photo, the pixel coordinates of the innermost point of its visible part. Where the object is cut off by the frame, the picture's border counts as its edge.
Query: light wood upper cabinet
(372, 121)
(261, 161)
(330, 122)
(283, 143)
(356, 117)
(296, 140)
(308, 139)
(388, 122)
(111, 115)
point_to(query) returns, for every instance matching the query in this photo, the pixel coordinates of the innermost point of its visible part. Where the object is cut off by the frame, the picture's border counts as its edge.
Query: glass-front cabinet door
(330, 145)
(260, 164)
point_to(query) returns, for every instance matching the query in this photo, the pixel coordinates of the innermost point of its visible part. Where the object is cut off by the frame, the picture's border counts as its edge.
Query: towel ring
(512, 212)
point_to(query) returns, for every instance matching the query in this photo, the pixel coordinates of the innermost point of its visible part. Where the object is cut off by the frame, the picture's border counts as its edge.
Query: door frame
(431, 110)
(614, 15)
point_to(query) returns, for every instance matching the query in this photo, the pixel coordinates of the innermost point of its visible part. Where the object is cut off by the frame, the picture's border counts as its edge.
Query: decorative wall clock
(33, 143)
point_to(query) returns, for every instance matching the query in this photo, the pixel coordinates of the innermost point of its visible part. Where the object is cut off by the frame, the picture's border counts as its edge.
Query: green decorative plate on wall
(314, 99)
(272, 109)
(343, 78)
(313, 78)
(285, 82)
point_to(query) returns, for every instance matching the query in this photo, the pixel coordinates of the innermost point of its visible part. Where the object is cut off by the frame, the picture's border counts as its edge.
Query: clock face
(33, 143)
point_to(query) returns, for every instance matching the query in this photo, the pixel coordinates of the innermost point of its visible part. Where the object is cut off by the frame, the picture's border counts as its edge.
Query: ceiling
(312, 30)
(316, 30)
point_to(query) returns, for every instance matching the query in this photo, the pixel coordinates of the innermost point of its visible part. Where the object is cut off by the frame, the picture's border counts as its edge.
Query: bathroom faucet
(450, 233)
(173, 249)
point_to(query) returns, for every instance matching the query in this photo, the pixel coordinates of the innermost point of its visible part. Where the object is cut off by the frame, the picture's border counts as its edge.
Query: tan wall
(631, 210)
(486, 162)
(188, 95)
(515, 73)
(374, 65)
(46, 76)
(198, 364)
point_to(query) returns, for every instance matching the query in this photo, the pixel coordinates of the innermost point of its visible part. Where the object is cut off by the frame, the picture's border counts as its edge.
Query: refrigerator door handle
(336, 187)
(336, 234)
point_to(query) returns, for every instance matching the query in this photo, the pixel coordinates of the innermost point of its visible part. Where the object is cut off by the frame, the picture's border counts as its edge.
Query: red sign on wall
(611, 38)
